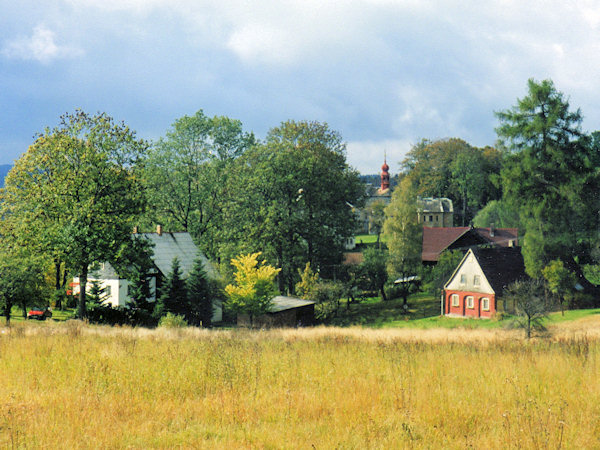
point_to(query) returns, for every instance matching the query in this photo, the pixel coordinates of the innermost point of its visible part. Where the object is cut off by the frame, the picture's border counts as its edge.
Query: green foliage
(173, 297)
(307, 285)
(188, 174)
(439, 274)
(201, 293)
(452, 168)
(171, 320)
(97, 294)
(560, 280)
(374, 270)
(530, 305)
(291, 200)
(550, 177)
(327, 294)
(403, 234)
(75, 194)
(254, 286)
(499, 214)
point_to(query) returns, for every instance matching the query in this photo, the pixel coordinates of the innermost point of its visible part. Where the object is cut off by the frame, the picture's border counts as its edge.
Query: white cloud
(40, 46)
(368, 156)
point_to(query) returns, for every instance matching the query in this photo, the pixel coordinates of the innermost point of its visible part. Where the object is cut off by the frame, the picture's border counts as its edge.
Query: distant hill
(3, 171)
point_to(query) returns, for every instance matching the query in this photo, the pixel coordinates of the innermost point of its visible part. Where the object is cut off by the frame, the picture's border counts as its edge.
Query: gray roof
(430, 204)
(167, 246)
(281, 303)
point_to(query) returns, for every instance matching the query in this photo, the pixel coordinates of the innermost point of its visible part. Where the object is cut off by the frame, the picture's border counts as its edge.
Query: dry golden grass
(76, 386)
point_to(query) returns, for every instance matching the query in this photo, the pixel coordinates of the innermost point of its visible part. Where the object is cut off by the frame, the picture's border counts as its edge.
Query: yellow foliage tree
(254, 286)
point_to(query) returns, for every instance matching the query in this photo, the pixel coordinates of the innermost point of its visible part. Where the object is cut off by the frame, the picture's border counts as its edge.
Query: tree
(187, 175)
(254, 286)
(442, 271)
(200, 296)
(561, 281)
(173, 297)
(403, 235)
(452, 168)
(530, 305)
(497, 213)
(134, 262)
(376, 212)
(550, 178)
(75, 194)
(292, 200)
(22, 279)
(374, 267)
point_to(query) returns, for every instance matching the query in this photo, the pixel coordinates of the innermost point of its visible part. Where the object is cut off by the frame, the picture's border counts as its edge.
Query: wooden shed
(285, 312)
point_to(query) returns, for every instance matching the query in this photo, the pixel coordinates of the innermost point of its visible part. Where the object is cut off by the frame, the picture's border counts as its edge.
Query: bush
(171, 320)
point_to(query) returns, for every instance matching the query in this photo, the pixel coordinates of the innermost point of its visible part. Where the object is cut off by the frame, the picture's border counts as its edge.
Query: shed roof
(430, 204)
(282, 303)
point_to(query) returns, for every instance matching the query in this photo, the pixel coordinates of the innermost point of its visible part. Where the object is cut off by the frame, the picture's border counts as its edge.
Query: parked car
(39, 313)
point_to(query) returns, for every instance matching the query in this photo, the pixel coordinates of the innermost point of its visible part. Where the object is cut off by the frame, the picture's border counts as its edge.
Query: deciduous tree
(76, 191)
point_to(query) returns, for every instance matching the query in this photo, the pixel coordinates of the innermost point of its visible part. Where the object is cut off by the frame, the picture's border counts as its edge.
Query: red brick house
(478, 282)
(436, 240)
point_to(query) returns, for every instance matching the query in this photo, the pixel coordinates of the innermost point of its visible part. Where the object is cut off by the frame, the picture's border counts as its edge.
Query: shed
(285, 312)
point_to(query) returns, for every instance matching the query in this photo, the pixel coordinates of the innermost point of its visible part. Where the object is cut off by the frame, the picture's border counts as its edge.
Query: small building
(285, 312)
(435, 212)
(166, 247)
(436, 240)
(476, 286)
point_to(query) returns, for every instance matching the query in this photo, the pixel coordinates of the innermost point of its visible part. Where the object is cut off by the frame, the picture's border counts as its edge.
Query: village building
(435, 212)
(475, 288)
(436, 240)
(284, 312)
(166, 246)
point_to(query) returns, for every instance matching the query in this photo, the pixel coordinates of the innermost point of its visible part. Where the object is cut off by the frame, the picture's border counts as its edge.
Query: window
(454, 299)
(476, 280)
(470, 302)
(485, 304)
(437, 218)
(463, 279)
(431, 218)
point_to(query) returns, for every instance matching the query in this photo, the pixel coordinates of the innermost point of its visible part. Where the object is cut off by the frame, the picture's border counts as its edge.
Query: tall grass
(73, 386)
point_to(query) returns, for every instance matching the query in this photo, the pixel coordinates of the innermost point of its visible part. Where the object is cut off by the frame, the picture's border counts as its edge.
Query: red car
(39, 313)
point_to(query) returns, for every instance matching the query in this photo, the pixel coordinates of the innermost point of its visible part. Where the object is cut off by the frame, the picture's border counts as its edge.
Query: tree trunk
(7, 312)
(383, 296)
(57, 283)
(81, 310)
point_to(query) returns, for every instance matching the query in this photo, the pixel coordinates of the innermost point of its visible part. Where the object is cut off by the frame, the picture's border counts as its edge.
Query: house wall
(436, 219)
(462, 309)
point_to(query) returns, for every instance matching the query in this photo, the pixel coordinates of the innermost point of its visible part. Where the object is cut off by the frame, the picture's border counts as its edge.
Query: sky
(383, 73)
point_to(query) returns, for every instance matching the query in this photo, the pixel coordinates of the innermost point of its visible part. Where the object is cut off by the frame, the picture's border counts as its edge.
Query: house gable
(465, 277)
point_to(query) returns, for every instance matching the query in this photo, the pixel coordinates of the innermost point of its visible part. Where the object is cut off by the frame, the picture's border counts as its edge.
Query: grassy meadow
(69, 385)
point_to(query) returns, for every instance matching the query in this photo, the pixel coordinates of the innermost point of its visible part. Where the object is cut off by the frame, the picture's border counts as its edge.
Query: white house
(167, 246)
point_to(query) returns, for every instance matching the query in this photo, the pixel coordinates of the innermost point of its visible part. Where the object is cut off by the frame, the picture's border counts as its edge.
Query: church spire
(385, 174)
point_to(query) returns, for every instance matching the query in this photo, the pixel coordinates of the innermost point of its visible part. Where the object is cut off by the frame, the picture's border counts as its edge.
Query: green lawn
(424, 312)
(57, 315)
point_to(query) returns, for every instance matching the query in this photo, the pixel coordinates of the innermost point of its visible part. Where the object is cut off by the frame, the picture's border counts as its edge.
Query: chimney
(511, 243)
(492, 229)
(159, 230)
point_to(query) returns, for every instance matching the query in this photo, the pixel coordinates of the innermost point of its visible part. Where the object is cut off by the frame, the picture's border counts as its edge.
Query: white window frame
(470, 301)
(485, 300)
(463, 279)
(454, 301)
(476, 280)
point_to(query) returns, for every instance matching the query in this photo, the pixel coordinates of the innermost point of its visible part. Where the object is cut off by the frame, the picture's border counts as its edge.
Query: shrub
(171, 320)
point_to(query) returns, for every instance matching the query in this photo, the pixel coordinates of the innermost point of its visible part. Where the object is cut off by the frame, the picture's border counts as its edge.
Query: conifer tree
(199, 296)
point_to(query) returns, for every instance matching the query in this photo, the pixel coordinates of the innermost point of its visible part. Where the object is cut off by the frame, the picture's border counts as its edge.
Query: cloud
(368, 156)
(40, 46)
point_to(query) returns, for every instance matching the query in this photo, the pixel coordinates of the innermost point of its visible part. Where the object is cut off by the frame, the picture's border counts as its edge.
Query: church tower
(385, 175)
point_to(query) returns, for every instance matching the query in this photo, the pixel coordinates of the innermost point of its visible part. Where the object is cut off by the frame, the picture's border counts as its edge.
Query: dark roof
(430, 204)
(438, 239)
(501, 266)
